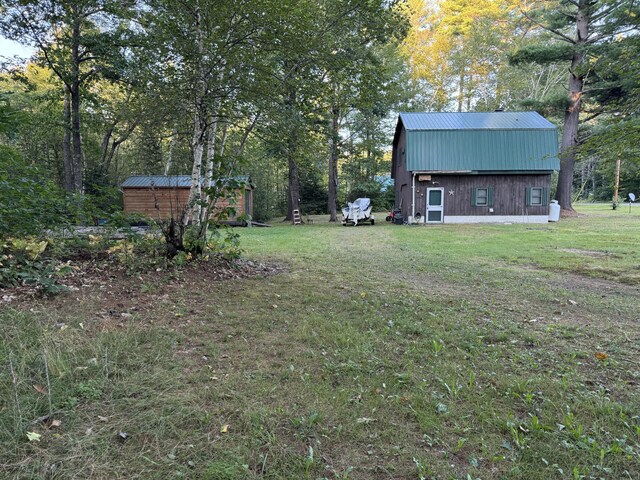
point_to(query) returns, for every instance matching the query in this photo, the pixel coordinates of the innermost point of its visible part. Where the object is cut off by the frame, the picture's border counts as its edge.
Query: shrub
(22, 263)
(225, 242)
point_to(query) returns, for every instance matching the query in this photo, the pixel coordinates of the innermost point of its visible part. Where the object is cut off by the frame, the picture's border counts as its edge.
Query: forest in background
(300, 95)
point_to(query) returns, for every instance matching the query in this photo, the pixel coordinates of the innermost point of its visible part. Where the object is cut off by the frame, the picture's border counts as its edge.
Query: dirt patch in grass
(590, 253)
(120, 293)
(566, 213)
(594, 285)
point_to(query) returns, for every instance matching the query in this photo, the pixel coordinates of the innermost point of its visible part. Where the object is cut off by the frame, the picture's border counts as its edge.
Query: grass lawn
(379, 352)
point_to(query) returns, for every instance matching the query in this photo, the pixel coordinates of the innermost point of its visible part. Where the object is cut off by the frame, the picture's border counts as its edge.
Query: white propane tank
(554, 211)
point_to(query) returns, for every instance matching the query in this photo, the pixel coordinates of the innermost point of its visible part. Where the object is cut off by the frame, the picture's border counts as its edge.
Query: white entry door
(435, 205)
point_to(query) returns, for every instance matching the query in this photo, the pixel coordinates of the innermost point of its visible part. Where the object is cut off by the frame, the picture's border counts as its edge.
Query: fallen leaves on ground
(40, 389)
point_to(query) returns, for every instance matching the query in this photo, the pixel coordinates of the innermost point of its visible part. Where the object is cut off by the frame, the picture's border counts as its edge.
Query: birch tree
(207, 58)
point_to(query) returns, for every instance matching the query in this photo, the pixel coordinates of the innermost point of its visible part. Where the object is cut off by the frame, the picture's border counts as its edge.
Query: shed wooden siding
(165, 202)
(509, 194)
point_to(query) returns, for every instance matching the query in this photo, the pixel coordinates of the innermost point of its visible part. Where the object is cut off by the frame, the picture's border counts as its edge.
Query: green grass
(381, 352)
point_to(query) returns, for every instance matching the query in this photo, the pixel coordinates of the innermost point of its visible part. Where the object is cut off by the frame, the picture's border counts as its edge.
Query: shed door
(247, 202)
(435, 205)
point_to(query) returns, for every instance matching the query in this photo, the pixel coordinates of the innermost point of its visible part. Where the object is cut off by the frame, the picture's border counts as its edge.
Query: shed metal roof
(166, 181)
(479, 142)
(475, 121)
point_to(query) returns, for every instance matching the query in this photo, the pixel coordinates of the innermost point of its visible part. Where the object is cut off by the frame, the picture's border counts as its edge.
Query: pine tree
(583, 32)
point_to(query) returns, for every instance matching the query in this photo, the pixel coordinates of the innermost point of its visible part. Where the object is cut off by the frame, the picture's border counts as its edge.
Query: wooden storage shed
(474, 167)
(163, 196)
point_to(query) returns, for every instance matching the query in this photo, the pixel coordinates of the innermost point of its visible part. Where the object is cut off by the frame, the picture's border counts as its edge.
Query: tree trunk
(333, 164)
(223, 141)
(294, 172)
(367, 165)
(616, 187)
(211, 155)
(172, 146)
(569, 143)
(67, 161)
(78, 179)
(195, 194)
(115, 145)
(75, 104)
(211, 148)
(461, 91)
(199, 130)
(294, 184)
(564, 191)
(104, 151)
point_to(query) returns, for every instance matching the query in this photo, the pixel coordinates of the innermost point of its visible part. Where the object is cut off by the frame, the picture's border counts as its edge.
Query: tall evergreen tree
(584, 31)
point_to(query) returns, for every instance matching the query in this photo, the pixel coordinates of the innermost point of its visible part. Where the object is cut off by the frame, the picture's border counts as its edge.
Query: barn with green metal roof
(474, 167)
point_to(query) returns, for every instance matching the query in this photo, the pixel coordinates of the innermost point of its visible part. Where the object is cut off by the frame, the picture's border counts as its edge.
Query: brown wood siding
(509, 194)
(165, 202)
(401, 176)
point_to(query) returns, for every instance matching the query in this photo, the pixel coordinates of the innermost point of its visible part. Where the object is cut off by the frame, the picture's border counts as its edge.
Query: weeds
(438, 346)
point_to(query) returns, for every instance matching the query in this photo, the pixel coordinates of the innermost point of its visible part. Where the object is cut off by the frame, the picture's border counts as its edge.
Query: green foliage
(195, 239)
(542, 54)
(224, 241)
(591, 37)
(314, 196)
(382, 198)
(10, 118)
(89, 390)
(29, 201)
(103, 200)
(22, 263)
(612, 139)
(552, 106)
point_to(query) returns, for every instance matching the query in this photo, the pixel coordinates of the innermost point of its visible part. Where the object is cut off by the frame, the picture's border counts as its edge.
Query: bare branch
(548, 29)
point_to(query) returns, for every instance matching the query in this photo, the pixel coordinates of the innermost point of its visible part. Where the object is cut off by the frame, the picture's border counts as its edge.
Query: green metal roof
(168, 181)
(479, 142)
(476, 121)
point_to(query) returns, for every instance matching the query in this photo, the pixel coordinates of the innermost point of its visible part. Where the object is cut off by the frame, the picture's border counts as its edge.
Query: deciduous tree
(77, 40)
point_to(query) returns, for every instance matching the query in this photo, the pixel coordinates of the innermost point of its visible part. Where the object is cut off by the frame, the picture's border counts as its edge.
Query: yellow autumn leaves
(459, 46)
